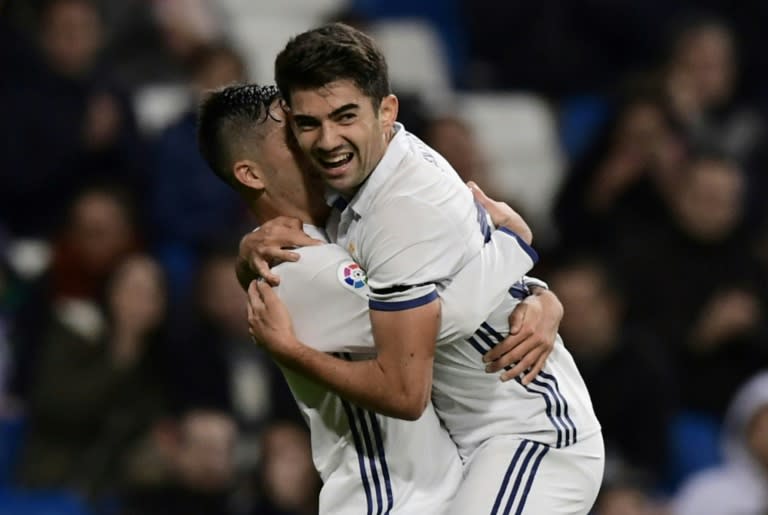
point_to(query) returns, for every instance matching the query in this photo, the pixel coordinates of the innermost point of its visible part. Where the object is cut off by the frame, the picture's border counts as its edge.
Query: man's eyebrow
(345, 107)
(306, 118)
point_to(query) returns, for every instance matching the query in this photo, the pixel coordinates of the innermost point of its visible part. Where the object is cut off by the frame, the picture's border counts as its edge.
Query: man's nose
(329, 137)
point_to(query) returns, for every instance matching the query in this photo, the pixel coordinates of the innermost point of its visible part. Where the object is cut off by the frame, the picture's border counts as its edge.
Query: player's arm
(409, 246)
(396, 383)
(533, 329)
(268, 246)
(533, 324)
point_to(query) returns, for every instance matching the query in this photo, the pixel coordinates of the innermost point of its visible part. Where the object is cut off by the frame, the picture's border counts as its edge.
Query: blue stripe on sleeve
(403, 304)
(527, 248)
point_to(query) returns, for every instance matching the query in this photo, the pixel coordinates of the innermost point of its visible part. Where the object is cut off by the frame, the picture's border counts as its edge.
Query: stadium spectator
(71, 123)
(96, 396)
(189, 205)
(98, 232)
(288, 480)
(623, 179)
(630, 389)
(740, 484)
(219, 366)
(712, 323)
(193, 470)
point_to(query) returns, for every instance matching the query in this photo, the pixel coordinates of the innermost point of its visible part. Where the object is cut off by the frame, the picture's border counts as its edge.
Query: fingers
(479, 194)
(265, 292)
(517, 318)
(514, 356)
(254, 306)
(506, 350)
(263, 270)
(523, 366)
(306, 241)
(276, 256)
(538, 367)
(254, 296)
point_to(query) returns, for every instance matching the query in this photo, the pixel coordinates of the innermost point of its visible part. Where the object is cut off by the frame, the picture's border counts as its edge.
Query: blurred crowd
(129, 381)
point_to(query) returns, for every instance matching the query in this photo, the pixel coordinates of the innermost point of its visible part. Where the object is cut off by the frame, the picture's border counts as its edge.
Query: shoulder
(324, 270)
(408, 218)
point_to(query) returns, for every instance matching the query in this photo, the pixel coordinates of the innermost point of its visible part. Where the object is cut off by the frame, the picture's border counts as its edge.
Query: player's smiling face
(285, 175)
(342, 132)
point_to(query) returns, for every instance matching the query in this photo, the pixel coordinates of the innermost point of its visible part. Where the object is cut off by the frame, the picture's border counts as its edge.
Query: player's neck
(264, 209)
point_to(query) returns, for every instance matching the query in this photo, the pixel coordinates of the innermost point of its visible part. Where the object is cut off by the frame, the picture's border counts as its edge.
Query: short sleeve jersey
(370, 463)
(412, 225)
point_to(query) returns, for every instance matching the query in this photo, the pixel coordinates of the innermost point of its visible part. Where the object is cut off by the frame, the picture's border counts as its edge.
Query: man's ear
(248, 174)
(388, 111)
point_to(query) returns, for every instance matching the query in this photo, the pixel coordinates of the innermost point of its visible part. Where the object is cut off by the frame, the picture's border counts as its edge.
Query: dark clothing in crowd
(44, 156)
(671, 279)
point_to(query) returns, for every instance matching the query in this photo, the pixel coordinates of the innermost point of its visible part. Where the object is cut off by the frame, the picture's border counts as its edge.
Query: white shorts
(509, 475)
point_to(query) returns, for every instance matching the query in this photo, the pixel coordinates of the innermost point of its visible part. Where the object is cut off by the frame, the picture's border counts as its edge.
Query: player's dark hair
(228, 113)
(331, 53)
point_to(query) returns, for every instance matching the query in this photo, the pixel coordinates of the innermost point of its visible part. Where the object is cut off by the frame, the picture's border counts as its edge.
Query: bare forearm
(365, 383)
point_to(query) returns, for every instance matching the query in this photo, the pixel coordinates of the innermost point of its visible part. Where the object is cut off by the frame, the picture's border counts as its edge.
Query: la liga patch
(352, 276)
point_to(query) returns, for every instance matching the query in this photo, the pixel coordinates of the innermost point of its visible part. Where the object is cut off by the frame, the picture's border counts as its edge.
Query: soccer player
(367, 461)
(409, 222)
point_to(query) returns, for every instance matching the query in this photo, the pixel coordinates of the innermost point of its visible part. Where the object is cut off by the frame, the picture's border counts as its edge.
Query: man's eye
(347, 117)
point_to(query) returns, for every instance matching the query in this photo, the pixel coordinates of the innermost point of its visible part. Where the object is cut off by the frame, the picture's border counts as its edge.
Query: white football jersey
(412, 225)
(370, 463)
(555, 409)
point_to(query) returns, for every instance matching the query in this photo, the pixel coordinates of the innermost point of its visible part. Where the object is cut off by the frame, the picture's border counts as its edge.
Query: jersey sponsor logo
(352, 276)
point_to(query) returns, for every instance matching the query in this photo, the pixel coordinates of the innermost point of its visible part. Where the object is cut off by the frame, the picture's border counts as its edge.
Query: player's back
(555, 409)
(369, 463)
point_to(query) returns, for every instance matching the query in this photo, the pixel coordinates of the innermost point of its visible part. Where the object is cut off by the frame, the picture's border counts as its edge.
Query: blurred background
(631, 135)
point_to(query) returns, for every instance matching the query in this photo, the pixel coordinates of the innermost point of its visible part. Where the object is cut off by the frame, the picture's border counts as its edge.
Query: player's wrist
(287, 350)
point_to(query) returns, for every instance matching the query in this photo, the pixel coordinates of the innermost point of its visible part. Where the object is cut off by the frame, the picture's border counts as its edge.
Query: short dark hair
(227, 113)
(330, 53)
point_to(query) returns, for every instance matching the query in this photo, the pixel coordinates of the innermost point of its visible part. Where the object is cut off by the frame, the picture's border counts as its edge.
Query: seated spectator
(72, 122)
(217, 365)
(153, 42)
(97, 394)
(288, 481)
(623, 179)
(631, 388)
(740, 485)
(190, 206)
(98, 232)
(453, 139)
(193, 470)
(712, 324)
(701, 79)
(626, 499)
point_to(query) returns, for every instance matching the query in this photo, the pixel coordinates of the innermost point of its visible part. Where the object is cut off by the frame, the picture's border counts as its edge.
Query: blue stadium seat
(694, 445)
(581, 116)
(21, 502)
(11, 437)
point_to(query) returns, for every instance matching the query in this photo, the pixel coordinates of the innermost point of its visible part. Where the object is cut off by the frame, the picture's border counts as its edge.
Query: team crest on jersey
(351, 275)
